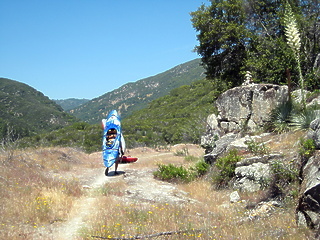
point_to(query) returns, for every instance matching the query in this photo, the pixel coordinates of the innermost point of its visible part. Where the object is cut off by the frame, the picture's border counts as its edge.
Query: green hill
(136, 95)
(179, 117)
(25, 111)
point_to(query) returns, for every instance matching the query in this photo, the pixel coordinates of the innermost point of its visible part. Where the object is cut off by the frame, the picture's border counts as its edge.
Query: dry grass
(285, 143)
(151, 158)
(37, 189)
(231, 219)
(214, 216)
(33, 194)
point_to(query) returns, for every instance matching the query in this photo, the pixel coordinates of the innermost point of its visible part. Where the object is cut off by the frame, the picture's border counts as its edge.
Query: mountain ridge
(25, 111)
(136, 95)
(71, 103)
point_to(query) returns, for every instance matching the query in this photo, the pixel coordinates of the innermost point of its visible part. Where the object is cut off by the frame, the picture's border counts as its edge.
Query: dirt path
(140, 186)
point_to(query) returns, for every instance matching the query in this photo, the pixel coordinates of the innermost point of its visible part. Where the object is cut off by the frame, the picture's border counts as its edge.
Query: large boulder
(314, 132)
(308, 210)
(241, 108)
(253, 177)
(248, 106)
(219, 147)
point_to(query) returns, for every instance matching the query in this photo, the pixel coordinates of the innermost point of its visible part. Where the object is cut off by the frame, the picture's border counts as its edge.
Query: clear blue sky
(85, 48)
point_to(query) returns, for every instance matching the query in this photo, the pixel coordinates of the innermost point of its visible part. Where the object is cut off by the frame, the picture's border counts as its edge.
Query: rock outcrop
(248, 106)
(314, 132)
(254, 173)
(253, 177)
(246, 109)
(241, 108)
(308, 210)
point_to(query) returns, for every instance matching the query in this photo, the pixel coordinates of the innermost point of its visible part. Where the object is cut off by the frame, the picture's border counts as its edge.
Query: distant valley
(27, 112)
(136, 95)
(70, 103)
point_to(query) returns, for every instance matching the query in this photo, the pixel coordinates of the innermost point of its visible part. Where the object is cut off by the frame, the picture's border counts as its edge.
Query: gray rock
(263, 159)
(308, 210)
(314, 132)
(253, 177)
(315, 101)
(220, 147)
(234, 197)
(246, 108)
(239, 143)
(248, 105)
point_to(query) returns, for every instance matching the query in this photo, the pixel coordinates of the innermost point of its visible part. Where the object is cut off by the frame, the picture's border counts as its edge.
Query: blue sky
(85, 48)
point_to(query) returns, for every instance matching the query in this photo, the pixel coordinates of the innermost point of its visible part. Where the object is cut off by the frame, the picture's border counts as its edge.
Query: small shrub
(257, 148)
(183, 152)
(226, 168)
(201, 168)
(284, 172)
(307, 148)
(191, 158)
(173, 173)
(285, 180)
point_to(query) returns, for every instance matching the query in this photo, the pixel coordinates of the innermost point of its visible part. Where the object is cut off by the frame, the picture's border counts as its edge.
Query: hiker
(121, 150)
(113, 142)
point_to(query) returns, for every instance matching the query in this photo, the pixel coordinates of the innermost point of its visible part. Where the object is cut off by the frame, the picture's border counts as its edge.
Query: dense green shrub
(226, 168)
(307, 148)
(171, 172)
(174, 173)
(201, 168)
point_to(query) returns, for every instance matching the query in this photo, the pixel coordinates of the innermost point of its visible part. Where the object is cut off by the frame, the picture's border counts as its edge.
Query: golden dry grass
(212, 213)
(285, 143)
(34, 191)
(38, 189)
(213, 216)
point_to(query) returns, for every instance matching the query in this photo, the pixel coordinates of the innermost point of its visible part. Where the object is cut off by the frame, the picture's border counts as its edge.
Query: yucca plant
(294, 42)
(280, 117)
(303, 119)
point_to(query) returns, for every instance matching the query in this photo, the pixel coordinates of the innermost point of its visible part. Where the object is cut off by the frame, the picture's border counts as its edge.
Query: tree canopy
(236, 36)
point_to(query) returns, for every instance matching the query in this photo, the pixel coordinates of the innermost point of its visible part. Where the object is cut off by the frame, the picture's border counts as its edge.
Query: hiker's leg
(116, 165)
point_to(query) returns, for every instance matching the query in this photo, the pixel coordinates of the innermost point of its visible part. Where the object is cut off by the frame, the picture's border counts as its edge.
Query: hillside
(136, 95)
(179, 116)
(25, 111)
(70, 103)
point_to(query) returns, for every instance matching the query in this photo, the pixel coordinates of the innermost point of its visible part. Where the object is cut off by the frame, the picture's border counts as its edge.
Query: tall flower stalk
(294, 42)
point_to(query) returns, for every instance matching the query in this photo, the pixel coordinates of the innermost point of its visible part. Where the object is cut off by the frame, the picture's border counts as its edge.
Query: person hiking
(113, 143)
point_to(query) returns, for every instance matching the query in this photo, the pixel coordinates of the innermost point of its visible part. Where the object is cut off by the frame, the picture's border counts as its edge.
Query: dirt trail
(140, 186)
